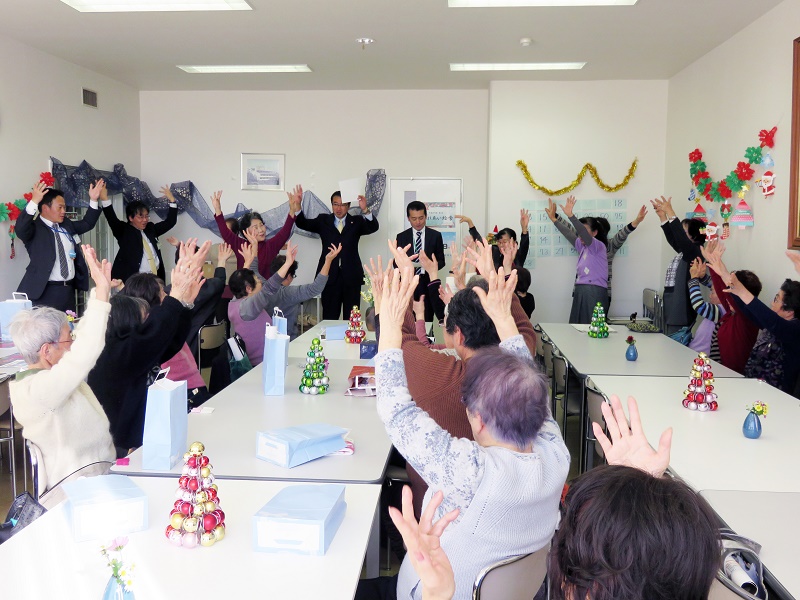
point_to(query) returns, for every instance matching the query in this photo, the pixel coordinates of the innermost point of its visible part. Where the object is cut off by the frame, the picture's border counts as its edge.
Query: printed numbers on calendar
(558, 252)
(619, 216)
(604, 215)
(619, 203)
(573, 252)
(544, 240)
(544, 229)
(543, 252)
(622, 251)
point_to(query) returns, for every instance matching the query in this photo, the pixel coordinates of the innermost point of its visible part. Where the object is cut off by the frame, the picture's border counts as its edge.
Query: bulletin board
(441, 196)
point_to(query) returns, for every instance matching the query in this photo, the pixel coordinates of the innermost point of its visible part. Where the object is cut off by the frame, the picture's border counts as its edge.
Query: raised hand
(640, 217)
(795, 258)
(251, 235)
(99, 271)
(736, 288)
(224, 252)
(422, 541)
(666, 206)
(173, 241)
(524, 219)
(429, 263)
(658, 207)
(464, 219)
(509, 252)
(497, 301)
(401, 257)
(291, 253)
(569, 206)
(167, 193)
(445, 294)
(333, 252)
(697, 270)
(481, 257)
(248, 253)
(712, 252)
(362, 204)
(419, 308)
(295, 199)
(186, 278)
(376, 276)
(194, 254)
(96, 189)
(627, 445)
(38, 192)
(551, 210)
(396, 294)
(216, 202)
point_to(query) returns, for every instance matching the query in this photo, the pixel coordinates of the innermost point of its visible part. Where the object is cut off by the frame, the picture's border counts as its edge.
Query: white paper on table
(585, 328)
(351, 189)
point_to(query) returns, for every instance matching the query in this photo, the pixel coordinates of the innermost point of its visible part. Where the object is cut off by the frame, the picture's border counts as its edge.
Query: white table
(770, 519)
(334, 349)
(241, 410)
(43, 562)
(659, 356)
(709, 451)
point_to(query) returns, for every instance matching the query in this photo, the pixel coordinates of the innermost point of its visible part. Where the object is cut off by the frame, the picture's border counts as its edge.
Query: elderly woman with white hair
(57, 409)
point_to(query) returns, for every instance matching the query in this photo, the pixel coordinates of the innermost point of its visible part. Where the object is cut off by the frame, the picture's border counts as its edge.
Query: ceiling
(415, 41)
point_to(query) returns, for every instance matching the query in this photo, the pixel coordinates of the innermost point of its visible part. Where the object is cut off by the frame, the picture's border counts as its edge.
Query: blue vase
(115, 591)
(631, 353)
(752, 426)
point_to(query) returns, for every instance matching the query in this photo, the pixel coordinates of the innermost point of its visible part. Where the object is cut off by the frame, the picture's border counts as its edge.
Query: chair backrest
(210, 337)
(649, 302)
(37, 468)
(548, 358)
(560, 373)
(719, 591)
(517, 578)
(594, 400)
(539, 348)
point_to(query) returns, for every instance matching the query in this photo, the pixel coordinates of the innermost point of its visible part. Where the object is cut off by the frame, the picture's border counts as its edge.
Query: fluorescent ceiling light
(516, 66)
(155, 5)
(515, 3)
(245, 68)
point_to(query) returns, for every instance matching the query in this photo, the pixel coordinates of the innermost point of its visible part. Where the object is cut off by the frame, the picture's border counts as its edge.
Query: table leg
(583, 419)
(372, 557)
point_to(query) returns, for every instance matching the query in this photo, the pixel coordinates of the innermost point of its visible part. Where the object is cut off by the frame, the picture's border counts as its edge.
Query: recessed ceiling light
(516, 66)
(245, 68)
(155, 5)
(515, 3)
(365, 41)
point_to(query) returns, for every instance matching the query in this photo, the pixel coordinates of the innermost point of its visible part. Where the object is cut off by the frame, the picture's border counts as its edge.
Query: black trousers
(380, 588)
(339, 298)
(433, 306)
(60, 297)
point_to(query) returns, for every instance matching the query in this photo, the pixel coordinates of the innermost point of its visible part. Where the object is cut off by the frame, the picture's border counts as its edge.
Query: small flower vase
(115, 591)
(752, 426)
(631, 353)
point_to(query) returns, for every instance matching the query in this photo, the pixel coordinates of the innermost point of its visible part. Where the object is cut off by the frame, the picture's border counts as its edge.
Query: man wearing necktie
(57, 267)
(430, 241)
(138, 238)
(343, 290)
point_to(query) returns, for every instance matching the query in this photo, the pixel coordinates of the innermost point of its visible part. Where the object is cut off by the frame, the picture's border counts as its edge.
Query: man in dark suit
(57, 267)
(423, 239)
(138, 238)
(343, 290)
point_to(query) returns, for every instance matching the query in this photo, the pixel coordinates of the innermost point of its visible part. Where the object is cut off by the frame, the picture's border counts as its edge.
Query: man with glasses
(138, 238)
(343, 290)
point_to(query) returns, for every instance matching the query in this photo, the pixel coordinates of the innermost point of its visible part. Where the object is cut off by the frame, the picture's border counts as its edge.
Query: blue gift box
(294, 446)
(300, 519)
(104, 507)
(368, 349)
(335, 332)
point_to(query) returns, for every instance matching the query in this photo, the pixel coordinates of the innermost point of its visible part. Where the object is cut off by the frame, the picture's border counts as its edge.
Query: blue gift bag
(279, 321)
(292, 446)
(166, 424)
(9, 308)
(276, 357)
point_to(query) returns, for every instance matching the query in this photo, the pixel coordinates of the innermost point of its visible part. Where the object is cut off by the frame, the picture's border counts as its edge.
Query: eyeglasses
(69, 341)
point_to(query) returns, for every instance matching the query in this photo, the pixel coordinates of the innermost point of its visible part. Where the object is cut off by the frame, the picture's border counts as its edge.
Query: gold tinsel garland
(587, 167)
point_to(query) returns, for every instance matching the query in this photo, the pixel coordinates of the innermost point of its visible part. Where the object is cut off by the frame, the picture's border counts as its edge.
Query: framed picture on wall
(263, 171)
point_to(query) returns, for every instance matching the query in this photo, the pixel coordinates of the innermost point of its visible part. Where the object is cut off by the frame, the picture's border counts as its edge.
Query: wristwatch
(189, 305)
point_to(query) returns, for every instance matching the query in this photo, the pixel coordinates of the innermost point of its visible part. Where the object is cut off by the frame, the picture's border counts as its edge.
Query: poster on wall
(442, 199)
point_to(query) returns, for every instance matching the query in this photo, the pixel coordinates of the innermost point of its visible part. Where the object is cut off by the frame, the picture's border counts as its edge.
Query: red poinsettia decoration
(28, 196)
(767, 137)
(744, 171)
(724, 190)
(47, 178)
(695, 155)
(700, 175)
(13, 211)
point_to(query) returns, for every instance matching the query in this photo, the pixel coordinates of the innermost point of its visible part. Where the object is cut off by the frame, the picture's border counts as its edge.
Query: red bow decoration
(767, 137)
(13, 211)
(47, 178)
(695, 155)
(743, 171)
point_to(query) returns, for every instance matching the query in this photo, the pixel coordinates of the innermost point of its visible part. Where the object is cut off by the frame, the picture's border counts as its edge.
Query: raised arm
(230, 238)
(25, 228)
(707, 310)
(580, 230)
(172, 215)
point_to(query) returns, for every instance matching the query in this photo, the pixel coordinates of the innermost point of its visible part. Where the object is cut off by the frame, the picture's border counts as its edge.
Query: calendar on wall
(547, 242)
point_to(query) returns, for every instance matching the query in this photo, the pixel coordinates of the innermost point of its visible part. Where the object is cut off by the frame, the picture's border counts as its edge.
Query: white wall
(719, 104)
(42, 115)
(326, 136)
(557, 127)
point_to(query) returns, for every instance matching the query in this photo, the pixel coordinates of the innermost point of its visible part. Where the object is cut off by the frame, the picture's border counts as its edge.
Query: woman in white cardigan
(57, 409)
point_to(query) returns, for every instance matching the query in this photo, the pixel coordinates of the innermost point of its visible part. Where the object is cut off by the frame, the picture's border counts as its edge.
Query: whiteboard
(442, 197)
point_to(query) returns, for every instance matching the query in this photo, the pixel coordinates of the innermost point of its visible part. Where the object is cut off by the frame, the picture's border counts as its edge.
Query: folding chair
(566, 389)
(594, 400)
(517, 578)
(210, 337)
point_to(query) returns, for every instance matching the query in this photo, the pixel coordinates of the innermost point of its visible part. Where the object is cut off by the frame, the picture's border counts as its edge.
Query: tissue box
(335, 332)
(301, 519)
(368, 349)
(294, 446)
(9, 308)
(104, 507)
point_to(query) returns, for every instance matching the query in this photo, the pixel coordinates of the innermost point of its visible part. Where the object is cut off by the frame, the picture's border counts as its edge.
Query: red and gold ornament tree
(699, 394)
(196, 518)
(355, 333)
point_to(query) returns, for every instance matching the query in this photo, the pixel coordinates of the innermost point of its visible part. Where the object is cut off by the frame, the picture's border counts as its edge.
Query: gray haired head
(32, 329)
